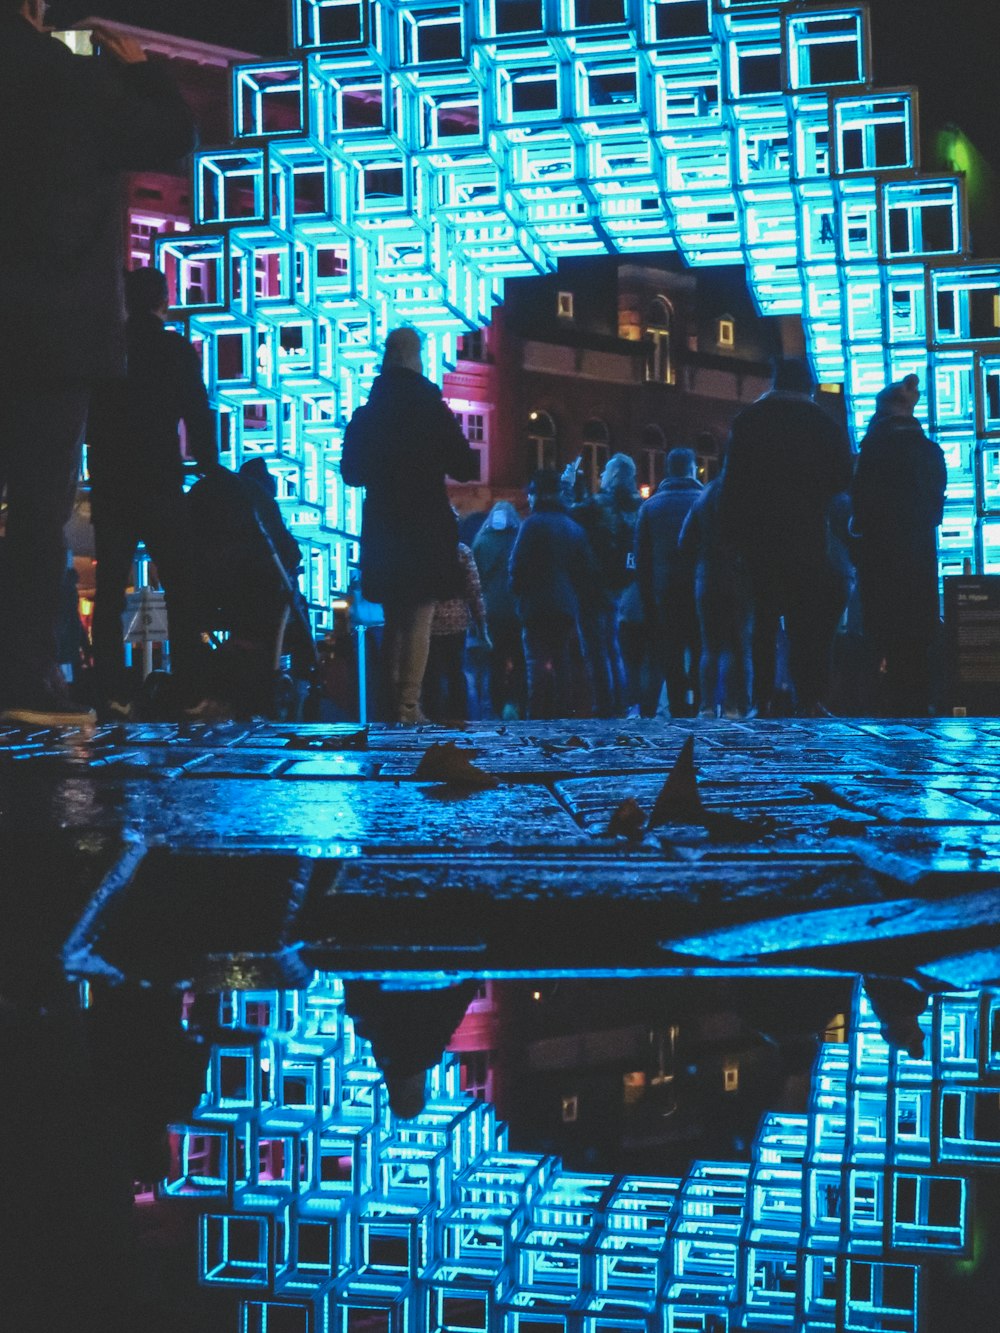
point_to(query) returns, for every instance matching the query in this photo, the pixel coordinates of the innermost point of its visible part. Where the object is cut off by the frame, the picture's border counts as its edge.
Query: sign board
(145, 618)
(972, 631)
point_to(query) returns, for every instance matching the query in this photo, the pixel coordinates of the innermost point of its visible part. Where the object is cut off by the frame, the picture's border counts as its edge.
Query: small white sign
(145, 618)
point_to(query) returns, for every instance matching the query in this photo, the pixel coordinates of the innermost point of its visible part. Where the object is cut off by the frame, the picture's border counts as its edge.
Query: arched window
(659, 363)
(654, 458)
(595, 451)
(542, 444)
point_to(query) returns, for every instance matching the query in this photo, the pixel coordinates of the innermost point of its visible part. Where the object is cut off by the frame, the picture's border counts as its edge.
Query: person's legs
(548, 650)
(115, 540)
(456, 697)
(414, 645)
(169, 541)
(41, 430)
(810, 623)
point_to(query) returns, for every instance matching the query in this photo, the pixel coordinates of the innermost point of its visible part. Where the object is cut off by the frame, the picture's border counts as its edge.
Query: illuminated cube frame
(323, 1213)
(408, 157)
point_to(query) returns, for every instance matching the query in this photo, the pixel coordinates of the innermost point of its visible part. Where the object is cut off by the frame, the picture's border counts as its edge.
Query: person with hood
(137, 486)
(666, 581)
(609, 519)
(786, 460)
(401, 445)
(72, 126)
(898, 503)
(551, 568)
(491, 549)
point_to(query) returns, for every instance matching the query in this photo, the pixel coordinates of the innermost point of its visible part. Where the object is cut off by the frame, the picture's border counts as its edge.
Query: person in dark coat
(666, 581)
(898, 503)
(551, 569)
(401, 445)
(137, 484)
(786, 460)
(71, 126)
(491, 550)
(722, 597)
(609, 518)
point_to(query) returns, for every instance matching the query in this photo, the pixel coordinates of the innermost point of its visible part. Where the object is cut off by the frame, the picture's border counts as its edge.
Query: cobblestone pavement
(238, 853)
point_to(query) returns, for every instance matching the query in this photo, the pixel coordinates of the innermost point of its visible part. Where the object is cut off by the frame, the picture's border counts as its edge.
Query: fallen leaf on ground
(447, 762)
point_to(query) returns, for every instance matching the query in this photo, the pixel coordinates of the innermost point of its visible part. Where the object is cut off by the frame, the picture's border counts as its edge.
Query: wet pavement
(251, 854)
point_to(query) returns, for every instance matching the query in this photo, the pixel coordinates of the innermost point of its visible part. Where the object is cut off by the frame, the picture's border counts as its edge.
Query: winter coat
(898, 499)
(786, 461)
(659, 569)
(720, 578)
(400, 446)
(551, 565)
(133, 446)
(609, 519)
(71, 125)
(492, 549)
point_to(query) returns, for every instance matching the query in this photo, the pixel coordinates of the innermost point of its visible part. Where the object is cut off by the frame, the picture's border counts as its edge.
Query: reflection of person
(898, 501)
(408, 1031)
(785, 462)
(137, 482)
(401, 445)
(71, 126)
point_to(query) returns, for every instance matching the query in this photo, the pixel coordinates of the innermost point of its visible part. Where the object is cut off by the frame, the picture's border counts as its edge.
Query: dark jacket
(659, 569)
(492, 549)
(400, 446)
(69, 126)
(609, 519)
(551, 565)
(786, 461)
(132, 442)
(898, 502)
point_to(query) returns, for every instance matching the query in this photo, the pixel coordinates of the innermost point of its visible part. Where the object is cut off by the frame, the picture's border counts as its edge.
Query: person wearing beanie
(400, 446)
(898, 499)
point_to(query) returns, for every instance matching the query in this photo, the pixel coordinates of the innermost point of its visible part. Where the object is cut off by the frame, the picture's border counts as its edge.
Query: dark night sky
(948, 48)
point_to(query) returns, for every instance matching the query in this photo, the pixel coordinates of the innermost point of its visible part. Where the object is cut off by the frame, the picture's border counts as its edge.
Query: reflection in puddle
(323, 1210)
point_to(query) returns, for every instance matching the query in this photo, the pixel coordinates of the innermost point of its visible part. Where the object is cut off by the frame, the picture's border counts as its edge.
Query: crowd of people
(702, 600)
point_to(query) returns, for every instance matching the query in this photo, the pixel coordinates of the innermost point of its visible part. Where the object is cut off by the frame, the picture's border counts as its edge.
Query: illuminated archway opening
(407, 159)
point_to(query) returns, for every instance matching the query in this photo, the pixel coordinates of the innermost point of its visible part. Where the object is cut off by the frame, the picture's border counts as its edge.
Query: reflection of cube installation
(322, 1211)
(412, 156)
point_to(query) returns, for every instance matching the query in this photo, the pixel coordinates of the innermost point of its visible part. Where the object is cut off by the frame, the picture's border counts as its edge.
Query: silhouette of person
(137, 484)
(71, 126)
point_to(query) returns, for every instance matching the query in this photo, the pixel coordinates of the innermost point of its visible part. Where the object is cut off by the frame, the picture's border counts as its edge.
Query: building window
(474, 420)
(595, 451)
(570, 1110)
(659, 362)
(564, 305)
(654, 459)
(542, 446)
(476, 1075)
(726, 333)
(730, 1077)
(473, 346)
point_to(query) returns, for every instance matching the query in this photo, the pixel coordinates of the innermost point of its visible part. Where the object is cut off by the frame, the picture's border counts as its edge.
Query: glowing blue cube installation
(412, 154)
(322, 1212)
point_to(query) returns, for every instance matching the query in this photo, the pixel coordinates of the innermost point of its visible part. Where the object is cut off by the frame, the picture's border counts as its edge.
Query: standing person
(446, 690)
(609, 520)
(666, 582)
(785, 462)
(551, 567)
(71, 125)
(401, 445)
(491, 549)
(898, 499)
(722, 598)
(137, 485)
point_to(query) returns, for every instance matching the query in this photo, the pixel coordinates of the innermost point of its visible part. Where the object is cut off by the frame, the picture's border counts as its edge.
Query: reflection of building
(320, 1209)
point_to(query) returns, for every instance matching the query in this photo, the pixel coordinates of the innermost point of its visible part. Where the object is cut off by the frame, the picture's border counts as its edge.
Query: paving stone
(831, 813)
